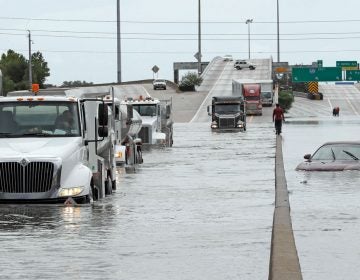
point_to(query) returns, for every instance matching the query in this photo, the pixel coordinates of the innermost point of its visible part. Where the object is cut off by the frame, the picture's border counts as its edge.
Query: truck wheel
(113, 184)
(108, 186)
(94, 191)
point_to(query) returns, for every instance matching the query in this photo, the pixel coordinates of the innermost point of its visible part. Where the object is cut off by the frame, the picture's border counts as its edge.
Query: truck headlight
(240, 124)
(70, 191)
(214, 125)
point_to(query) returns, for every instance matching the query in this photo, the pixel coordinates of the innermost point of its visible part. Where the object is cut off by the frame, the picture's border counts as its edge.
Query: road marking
(209, 94)
(330, 103)
(251, 118)
(352, 107)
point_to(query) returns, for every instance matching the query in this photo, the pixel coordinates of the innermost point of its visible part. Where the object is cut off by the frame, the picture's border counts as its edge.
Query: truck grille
(226, 122)
(144, 135)
(33, 178)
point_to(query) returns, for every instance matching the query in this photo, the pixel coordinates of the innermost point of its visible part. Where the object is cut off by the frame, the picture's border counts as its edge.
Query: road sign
(346, 64)
(155, 69)
(324, 74)
(281, 69)
(197, 56)
(353, 75)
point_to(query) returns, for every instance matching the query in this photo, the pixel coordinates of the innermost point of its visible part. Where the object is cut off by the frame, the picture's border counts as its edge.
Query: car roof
(342, 142)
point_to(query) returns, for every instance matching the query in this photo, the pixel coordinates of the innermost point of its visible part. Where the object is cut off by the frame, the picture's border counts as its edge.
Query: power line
(185, 52)
(185, 39)
(178, 34)
(178, 22)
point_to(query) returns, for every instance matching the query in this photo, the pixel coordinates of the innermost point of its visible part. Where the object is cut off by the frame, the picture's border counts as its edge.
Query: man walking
(278, 117)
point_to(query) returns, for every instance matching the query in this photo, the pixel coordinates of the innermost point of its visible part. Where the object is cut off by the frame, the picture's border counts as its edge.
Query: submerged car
(333, 156)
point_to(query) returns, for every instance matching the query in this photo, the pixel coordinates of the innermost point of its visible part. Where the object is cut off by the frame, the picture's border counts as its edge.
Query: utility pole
(118, 43)
(248, 21)
(30, 63)
(278, 33)
(199, 39)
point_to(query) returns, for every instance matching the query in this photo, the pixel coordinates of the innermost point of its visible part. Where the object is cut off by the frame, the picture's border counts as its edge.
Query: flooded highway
(202, 209)
(324, 205)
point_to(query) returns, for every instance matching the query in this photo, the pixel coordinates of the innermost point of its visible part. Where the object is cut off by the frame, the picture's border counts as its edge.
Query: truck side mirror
(103, 116)
(208, 110)
(103, 131)
(129, 109)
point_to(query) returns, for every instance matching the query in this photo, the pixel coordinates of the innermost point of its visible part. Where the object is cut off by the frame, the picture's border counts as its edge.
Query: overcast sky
(309, 30)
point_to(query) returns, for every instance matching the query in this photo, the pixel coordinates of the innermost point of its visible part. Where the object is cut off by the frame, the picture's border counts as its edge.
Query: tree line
(15, 70)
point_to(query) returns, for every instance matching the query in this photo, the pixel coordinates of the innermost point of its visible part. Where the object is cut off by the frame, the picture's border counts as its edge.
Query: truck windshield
(266, 94)
(39, 119)
(227, 108)
(146, 109)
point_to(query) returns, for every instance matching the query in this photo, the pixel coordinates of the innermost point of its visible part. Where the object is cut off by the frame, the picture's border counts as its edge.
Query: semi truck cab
(227, 113)
(53, 148)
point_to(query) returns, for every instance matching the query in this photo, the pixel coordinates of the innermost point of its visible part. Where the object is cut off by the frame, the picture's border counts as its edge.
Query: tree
(285, 100)
(40, 69)
(15, 68)
(189, 81)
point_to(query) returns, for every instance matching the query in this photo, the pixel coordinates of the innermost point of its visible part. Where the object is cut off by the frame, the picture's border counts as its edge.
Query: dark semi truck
(227, 113)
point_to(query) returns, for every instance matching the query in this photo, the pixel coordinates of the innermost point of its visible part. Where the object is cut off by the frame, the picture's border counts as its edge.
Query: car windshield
(227, 108)
(338, 152)
(146, 109)
(159, 81)
(39, 119)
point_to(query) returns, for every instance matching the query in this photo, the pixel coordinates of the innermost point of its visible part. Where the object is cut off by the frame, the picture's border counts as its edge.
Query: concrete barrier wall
(284, 260)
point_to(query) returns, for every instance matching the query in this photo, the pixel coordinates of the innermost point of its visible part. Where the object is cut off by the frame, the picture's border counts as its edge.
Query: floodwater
(325, 206)
(202, 209)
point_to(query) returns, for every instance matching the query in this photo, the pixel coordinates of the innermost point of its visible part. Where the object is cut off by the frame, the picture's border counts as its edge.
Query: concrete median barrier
(284, 260)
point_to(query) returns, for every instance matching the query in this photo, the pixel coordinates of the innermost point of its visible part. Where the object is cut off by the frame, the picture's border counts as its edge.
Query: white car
(240, 64)
(159, 84)
(227, 57)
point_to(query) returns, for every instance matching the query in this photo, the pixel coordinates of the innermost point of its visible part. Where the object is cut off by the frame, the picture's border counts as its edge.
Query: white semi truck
(127, 125)
(57, 148)
(157, 123)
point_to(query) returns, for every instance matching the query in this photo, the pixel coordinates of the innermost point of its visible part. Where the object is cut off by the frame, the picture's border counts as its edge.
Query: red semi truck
(251, 92)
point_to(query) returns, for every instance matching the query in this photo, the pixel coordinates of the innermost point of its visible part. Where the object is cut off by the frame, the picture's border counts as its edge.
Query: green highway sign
(346, 64)
(353, 75)
(323, 74)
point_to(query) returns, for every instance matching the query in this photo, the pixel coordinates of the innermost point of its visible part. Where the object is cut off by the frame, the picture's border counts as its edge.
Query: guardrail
(209, 66)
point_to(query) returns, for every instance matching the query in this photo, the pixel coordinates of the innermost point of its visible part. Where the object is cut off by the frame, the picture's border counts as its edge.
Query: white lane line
(330, 103)
(352, 107)
(207, 96)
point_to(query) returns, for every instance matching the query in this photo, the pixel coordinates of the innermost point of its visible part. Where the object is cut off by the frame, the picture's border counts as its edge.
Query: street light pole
(118, 43)
(248, 21)
(30, 62)
(278, 32)
(199, 39)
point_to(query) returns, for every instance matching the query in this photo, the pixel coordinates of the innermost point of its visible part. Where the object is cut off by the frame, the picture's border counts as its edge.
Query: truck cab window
(40, 119)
